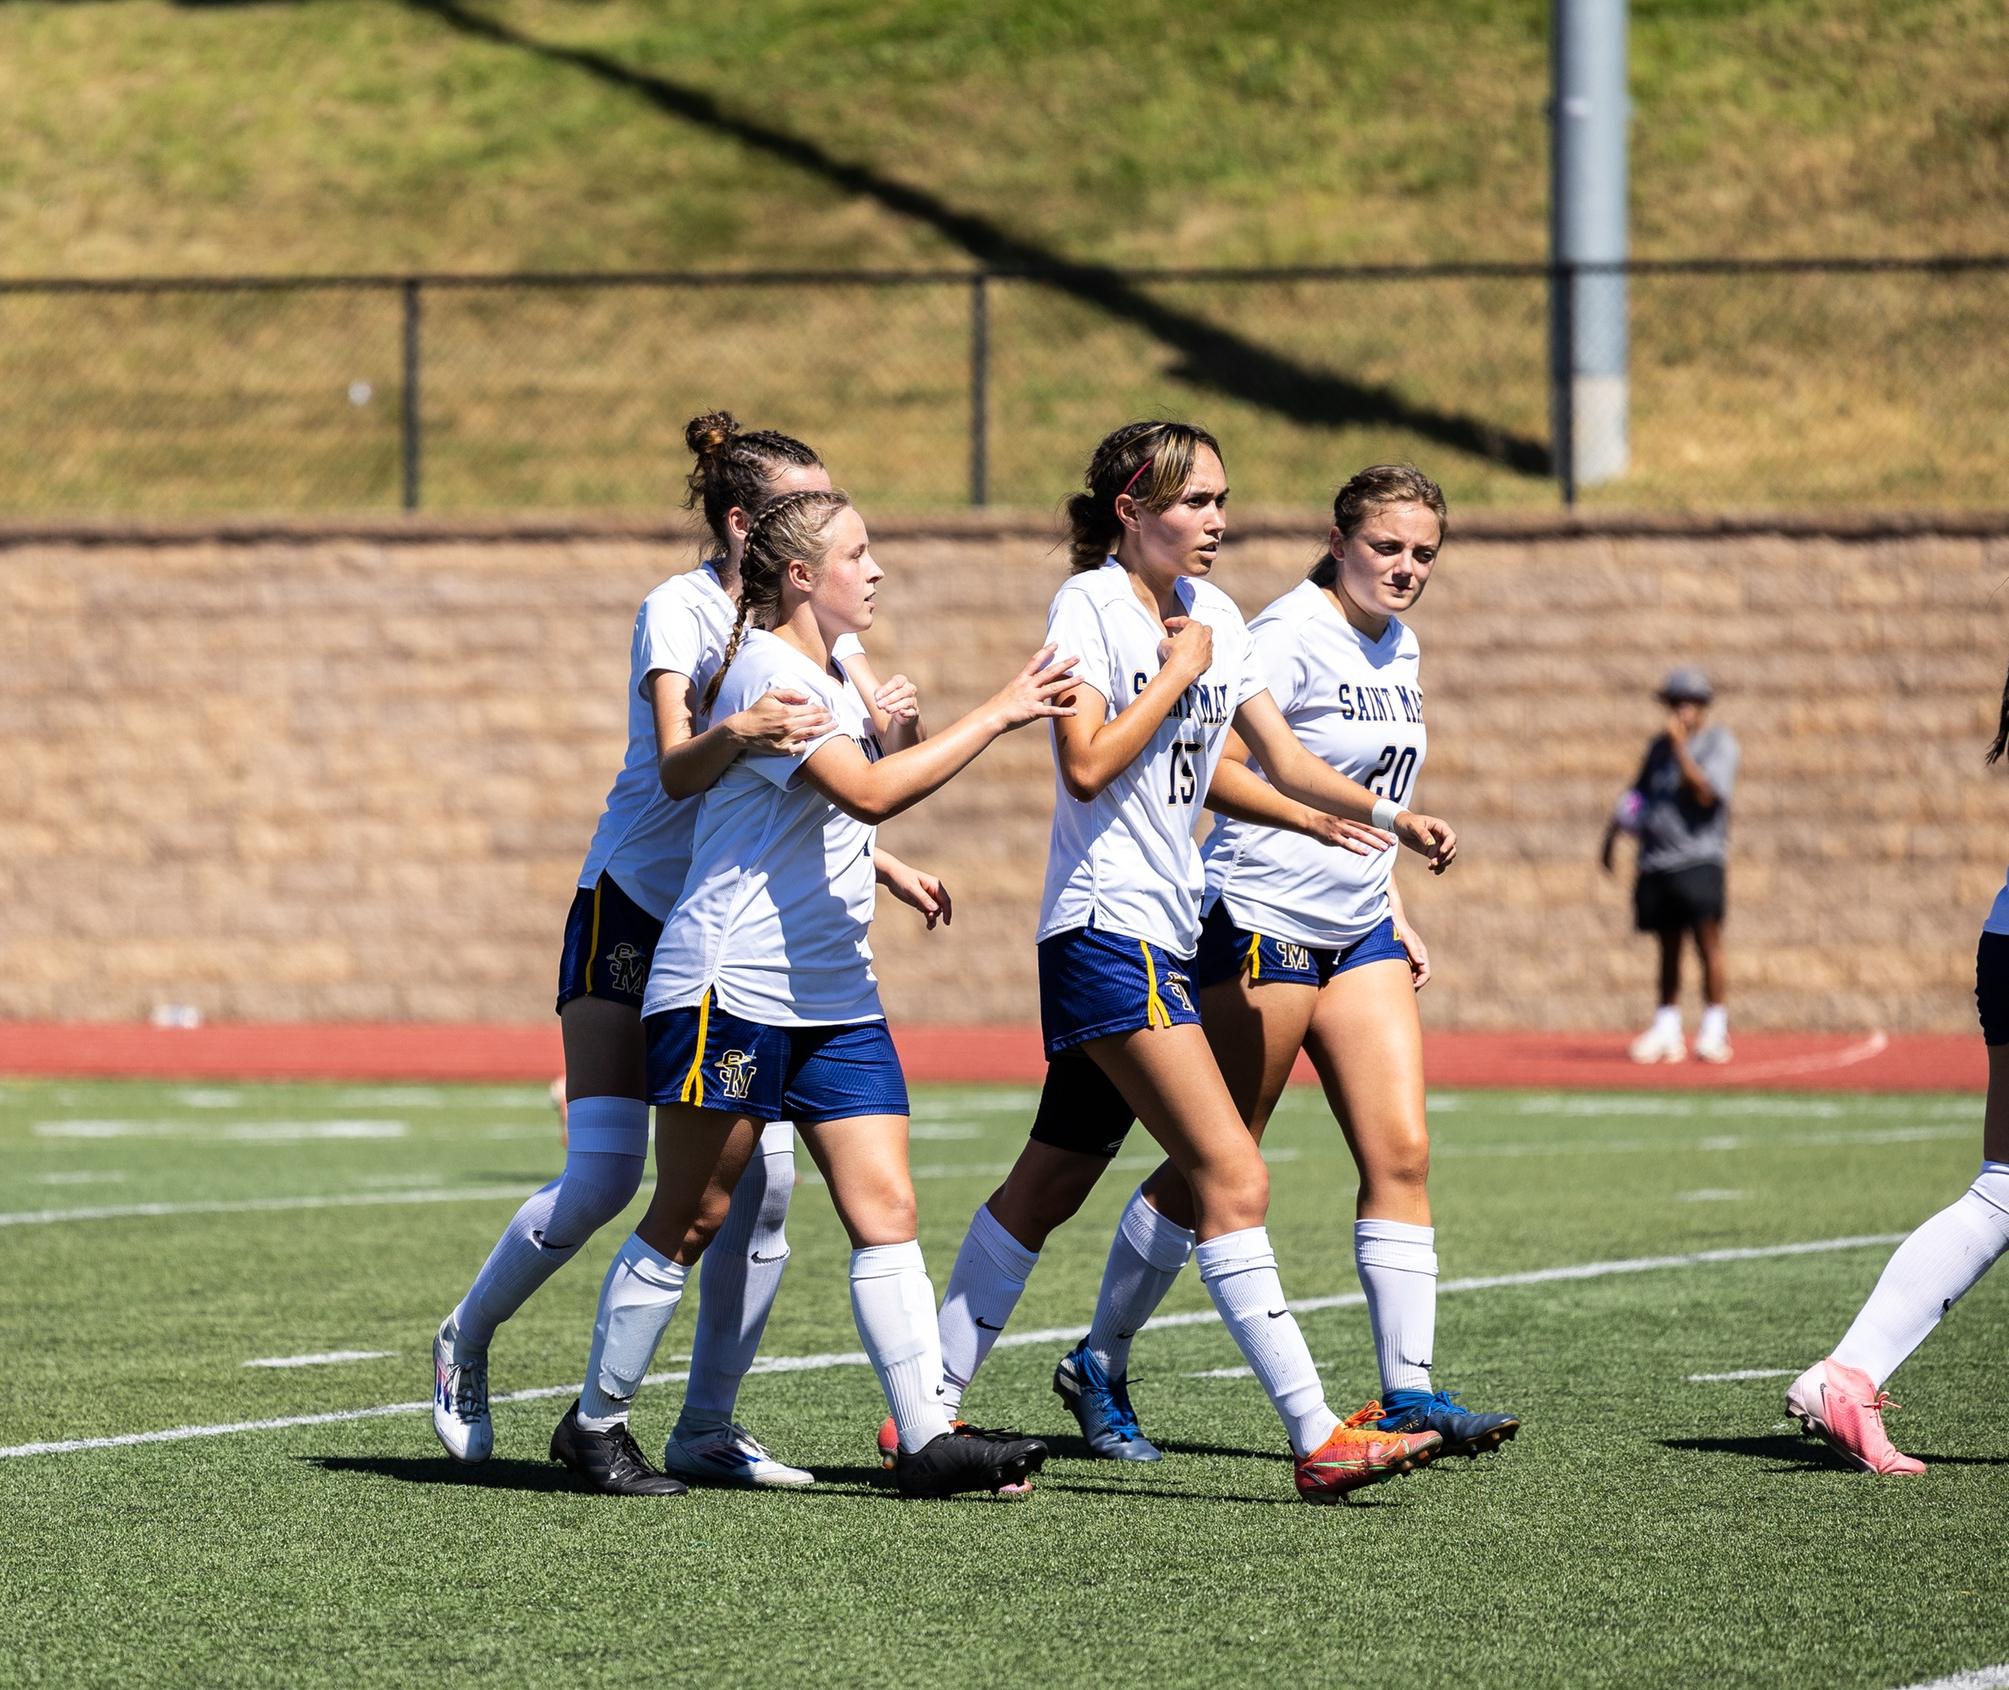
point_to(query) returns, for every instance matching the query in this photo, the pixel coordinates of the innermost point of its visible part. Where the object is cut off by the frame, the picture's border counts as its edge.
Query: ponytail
(732, 469)
(1151, 461)
(2001, 727)
(789, 526)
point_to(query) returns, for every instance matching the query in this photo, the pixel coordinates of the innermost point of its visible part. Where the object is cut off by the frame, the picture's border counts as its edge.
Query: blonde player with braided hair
(1166, 669)
(761, 1002)
(632, 874)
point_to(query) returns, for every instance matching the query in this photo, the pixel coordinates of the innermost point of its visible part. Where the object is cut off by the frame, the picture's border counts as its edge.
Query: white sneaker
(729, 1455)
(460, 1416)
(1712, 1050)
(1654, 1045)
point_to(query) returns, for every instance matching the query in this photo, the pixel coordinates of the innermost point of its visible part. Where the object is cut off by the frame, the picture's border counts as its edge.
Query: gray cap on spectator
(1687, 685)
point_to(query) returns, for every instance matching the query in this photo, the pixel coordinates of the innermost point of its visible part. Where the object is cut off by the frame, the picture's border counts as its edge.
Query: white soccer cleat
(1712, 1050)
(730, 1455)
(460, 1418)
(1654, 1045)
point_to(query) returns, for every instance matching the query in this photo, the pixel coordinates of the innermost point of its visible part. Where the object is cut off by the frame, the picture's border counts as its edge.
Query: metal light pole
(1588, 341)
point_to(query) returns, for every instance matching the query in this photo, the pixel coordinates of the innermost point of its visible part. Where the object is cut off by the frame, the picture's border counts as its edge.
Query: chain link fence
(1773, 383)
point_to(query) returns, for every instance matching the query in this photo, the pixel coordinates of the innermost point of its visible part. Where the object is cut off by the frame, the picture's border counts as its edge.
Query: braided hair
(1374, 488)
(2001, 727)
(1151, 461)
(736, 469)
(788, 526)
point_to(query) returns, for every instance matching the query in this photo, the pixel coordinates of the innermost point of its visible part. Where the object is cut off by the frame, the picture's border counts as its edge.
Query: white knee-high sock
(737, 1282)
(894, 1306)
(607, 1145)
(1398, 1271)
(1239, 1270)
(638, 1299)
(1932, 1270)
(984, 1287)
(1145, 1257)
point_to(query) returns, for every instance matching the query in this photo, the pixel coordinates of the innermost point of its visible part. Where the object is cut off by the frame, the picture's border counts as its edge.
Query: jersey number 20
(1398, 765)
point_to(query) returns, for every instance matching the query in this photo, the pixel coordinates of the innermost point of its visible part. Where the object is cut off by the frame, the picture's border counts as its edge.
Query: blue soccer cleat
(1102, 1407)
(1463, 1431)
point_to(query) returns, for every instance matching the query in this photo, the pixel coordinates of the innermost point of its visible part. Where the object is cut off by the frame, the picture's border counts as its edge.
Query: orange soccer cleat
(1359, 1453)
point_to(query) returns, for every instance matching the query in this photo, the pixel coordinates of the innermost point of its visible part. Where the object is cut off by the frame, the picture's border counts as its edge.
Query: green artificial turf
(1646, 1527)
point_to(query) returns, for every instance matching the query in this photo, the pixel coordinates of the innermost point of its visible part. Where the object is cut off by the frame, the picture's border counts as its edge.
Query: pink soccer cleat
(1844, 1410)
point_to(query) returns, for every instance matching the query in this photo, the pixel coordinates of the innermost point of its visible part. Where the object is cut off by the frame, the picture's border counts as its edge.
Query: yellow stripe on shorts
(1255, 956)
(694, 1082)
(593, 944)
(1155, 1012)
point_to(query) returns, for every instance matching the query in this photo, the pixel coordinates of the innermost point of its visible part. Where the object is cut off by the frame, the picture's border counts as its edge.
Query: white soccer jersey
(774, 914)
(1125, 861)
(644, 836)
(1998, 917)
(1357, 705)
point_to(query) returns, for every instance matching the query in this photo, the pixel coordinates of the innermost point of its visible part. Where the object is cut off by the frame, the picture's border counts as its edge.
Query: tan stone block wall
(293, 771)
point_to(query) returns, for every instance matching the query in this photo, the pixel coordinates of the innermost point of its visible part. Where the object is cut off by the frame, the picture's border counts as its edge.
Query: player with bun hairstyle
(1306, 949)
(1841, 1399)
(761, 1002)
(632, 874)
(1166, 670)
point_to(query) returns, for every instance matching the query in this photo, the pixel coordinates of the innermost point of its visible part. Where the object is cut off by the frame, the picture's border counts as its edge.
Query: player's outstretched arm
(688, 763)
(1296, 772)
(1242, 795)
(874, 792)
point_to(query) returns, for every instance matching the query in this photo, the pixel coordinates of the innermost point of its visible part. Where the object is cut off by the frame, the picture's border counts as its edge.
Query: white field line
(1977, 1678)
(100, 1176)
(1742, 1373)
(237, 1132)
(1715, 1141)
(1866, 1049)
(266, 1205)
(1710, 1194)
(327, 1358)
(1049, 1335)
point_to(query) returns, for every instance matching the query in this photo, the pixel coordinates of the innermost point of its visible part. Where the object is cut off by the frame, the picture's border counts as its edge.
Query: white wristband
(1385, 812)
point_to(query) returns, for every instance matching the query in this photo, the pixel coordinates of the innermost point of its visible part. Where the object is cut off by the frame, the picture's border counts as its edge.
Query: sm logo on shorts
(627, 969)
(736, 1070)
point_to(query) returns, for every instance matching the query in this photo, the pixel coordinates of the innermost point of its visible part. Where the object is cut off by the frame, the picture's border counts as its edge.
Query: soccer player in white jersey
(1308, 949)
(761, 1002)
(632, 875)
(1166, 668)
(1841, 1399)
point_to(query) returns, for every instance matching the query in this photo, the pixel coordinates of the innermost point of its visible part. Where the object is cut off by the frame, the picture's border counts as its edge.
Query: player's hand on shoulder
(1188, 646)
(786, 719)
(1043, 688)
(1429, 838)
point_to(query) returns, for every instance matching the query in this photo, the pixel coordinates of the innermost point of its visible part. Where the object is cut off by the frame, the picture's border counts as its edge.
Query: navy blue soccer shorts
(610, 941)
(1227, 951)
(710, 1059)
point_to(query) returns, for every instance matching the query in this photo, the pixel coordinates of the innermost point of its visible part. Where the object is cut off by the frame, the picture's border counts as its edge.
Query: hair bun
(706, 434)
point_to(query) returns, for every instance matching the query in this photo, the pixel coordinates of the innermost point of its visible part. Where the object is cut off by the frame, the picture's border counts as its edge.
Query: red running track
(434, 1052)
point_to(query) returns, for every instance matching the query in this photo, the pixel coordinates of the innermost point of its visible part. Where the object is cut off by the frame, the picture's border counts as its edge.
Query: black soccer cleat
(610, 1462)
(970, 1458)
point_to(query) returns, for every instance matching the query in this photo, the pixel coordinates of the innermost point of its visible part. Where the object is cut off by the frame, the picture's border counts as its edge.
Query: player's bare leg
(1168, 1076)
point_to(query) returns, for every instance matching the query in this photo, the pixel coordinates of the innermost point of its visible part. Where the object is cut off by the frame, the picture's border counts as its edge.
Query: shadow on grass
(1800, 1455)
(1211, 355)
(444, 1470)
